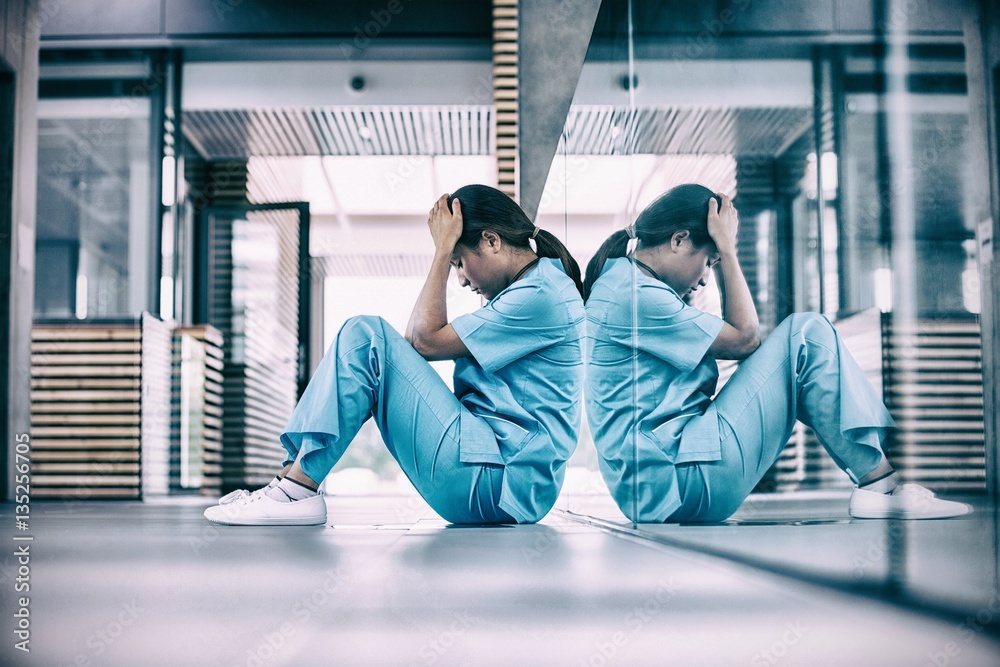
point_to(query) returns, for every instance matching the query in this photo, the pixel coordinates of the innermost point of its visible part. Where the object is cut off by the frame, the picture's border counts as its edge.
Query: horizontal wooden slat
(85, 432)
(40, 347)
(92, 360)
(78, 333)
(85, 383)
(84, 396)
(92, 480)
(41, 443)
(42, 468)
(85, 455)
(105, 419)
(78, 492)
(96, 409)
(85, 371)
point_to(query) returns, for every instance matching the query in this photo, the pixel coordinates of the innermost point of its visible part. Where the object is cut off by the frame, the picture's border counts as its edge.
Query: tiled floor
(387, 583)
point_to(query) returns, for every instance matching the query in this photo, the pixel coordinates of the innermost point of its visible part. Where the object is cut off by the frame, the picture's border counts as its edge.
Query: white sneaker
(907, 501)
(258, 509)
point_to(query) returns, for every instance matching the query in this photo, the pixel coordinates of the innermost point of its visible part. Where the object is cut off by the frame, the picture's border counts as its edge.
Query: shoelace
(233, 496)
(914, 489)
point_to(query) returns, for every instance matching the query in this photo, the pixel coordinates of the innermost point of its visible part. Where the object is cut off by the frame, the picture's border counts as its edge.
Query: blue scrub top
(665, 410)
(525, 379)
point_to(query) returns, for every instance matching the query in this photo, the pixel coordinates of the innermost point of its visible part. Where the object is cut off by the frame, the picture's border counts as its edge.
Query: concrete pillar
(982, 56)
(553, 38)
(20, 25)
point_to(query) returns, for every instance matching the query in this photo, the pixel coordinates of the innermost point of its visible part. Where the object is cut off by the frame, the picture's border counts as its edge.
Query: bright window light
(81, 296)
(882, 281)
(970, 290)
(169, 193)
(166, 298)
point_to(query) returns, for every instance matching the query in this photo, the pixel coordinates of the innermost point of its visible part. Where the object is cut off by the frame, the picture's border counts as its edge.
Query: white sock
(883, 479)
(288, 490)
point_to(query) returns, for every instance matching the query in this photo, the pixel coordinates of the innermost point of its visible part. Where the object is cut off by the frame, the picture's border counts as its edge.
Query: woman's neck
(520, 265)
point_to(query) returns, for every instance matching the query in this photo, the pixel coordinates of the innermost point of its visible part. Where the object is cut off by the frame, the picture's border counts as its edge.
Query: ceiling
(467, 130)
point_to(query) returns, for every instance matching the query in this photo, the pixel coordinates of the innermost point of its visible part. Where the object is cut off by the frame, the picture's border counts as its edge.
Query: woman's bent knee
(367, 323)
(811, 326)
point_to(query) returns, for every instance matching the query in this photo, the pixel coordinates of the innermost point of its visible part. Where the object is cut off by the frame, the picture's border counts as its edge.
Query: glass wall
(845, 162)
(97, 187)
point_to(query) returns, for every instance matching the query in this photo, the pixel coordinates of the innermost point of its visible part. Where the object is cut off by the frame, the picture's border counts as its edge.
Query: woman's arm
(740, 335)
(428, 330)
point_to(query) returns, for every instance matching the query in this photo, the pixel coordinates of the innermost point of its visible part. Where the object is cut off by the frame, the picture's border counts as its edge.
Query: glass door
(253, 285)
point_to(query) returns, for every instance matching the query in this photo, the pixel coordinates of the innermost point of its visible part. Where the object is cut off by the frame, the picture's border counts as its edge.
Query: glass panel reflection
(845, 164)
(93, 220)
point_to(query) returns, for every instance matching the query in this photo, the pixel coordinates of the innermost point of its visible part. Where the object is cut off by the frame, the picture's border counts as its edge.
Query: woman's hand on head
(723, 222)
(445, 225)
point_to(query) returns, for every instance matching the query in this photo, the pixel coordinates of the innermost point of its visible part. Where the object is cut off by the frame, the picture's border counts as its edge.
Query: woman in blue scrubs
(494, 451)
(672, 450)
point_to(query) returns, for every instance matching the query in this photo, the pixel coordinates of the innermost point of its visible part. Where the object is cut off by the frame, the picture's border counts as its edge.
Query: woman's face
(688, 266)
(480, 269)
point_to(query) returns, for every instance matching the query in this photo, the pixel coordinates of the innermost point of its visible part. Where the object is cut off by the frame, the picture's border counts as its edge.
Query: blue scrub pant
(372, 371)
(801, 371)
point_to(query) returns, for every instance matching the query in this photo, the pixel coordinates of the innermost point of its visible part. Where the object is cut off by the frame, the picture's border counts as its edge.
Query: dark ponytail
(485, 208)
(681, 207)
(614, 246)
(549, 245)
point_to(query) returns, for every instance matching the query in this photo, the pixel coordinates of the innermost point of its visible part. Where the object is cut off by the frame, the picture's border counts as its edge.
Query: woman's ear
(492, 240)
(677, 240)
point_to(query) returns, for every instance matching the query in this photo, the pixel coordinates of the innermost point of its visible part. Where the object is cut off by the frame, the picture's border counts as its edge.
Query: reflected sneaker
(256, 509)
(907, 501)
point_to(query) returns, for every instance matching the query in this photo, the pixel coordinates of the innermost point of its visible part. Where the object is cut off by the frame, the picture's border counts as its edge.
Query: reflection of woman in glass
(494, 450)
(668, 450)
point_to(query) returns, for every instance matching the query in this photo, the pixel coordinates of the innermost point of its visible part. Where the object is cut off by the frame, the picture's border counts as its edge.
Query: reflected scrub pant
(372, 371)
(801, 371)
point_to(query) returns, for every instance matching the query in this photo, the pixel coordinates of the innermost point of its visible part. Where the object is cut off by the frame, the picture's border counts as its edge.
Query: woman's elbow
(749, 344)
(419, 344)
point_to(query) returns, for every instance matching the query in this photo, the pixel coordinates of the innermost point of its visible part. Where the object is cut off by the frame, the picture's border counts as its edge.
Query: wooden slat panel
(196, 400)
(86, 398)
(934, 391)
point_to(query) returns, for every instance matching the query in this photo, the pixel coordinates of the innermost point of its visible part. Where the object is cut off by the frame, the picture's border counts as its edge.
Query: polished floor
(388, 583)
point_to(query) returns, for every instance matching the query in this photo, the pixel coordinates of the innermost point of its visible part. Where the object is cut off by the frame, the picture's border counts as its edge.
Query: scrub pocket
(477, 442)
(694, 437)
